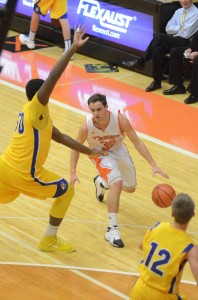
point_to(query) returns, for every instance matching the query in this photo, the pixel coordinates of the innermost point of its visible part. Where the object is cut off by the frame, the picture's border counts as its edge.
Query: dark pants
(160, 45)
(175, 70)
(193, 87)
(175, 66)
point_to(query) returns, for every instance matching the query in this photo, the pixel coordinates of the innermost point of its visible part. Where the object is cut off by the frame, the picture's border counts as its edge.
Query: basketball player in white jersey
(105, 130)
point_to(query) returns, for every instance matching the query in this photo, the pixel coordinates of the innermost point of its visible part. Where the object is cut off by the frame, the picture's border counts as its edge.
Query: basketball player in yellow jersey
(58, 11)
(21, 164)
(166, 249)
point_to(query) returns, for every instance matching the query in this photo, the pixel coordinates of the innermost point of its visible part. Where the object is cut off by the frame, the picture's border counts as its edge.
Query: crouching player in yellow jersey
(166, 248)
(21, 164)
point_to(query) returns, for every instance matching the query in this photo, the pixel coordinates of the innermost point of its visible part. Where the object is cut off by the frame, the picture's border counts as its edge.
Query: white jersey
(109, 139)
(118, 165)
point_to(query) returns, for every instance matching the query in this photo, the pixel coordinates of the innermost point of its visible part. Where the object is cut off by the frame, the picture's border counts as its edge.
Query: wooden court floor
(96, 270)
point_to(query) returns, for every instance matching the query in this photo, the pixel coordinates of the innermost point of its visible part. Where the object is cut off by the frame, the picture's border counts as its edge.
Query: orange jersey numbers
(108, 145)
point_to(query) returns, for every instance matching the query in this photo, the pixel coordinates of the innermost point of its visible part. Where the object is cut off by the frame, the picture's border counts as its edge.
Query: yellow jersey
(164, 256)
(31, 140)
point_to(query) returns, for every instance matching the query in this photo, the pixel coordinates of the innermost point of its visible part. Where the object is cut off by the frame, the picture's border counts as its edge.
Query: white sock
(67, 45)
(51, 230)
(113, 219)
(32, 35)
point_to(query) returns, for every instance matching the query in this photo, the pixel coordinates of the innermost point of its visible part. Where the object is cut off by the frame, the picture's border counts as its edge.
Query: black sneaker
(113, 236)
(101, 187)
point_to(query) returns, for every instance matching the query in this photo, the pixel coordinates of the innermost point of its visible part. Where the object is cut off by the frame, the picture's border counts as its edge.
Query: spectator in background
(175, 71)
(166, 248)
(58, 11)
(180, 28)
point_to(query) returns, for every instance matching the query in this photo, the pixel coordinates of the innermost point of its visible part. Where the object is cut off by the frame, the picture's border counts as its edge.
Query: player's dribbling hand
(156, 170)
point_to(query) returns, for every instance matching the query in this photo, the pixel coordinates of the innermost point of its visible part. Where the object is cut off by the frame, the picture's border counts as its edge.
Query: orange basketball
(163, 195)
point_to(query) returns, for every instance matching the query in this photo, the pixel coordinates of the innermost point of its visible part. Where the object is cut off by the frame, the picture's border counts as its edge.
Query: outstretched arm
(81, 137)
(49, 84)
(67, 141)
(139, 145)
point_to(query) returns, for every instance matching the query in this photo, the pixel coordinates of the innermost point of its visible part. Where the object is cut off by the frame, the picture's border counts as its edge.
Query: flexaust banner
(113, 23)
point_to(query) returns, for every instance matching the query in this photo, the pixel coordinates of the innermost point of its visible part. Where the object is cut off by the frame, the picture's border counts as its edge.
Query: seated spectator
(175, 71)
(179, 29)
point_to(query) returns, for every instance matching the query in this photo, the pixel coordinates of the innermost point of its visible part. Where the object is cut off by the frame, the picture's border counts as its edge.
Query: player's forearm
(74, 145)
(61, 65)
(142, 149)
(74, 161)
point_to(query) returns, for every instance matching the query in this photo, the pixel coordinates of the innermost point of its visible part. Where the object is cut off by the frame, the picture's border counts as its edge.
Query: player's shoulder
(122, 119)
(157, 224)
(34, 102)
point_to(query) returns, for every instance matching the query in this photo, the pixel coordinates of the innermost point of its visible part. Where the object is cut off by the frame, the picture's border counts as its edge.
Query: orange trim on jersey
(121, 131)
(102, 170)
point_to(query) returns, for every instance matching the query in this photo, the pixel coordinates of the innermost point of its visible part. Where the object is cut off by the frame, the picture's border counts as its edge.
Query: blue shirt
(190, 26)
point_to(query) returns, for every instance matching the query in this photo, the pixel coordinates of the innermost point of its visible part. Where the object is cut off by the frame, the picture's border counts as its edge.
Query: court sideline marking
(81, 112)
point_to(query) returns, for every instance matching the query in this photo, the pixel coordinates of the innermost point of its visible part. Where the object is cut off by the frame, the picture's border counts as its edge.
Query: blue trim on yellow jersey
(154, 226)
(172, 285)
(63, 16)
(174, 279)
(36, 145)
(61, 184)
(188, 248)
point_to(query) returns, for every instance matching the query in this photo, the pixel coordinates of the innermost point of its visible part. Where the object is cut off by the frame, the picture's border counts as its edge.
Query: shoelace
(59, 241)
(116, 234)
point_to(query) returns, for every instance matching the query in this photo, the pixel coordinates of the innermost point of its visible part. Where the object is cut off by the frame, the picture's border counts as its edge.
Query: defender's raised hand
(79, 33)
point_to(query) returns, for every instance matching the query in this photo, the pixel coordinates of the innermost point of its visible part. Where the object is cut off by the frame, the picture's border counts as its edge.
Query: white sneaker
(101, 188)
(113, 236)
(25, 40)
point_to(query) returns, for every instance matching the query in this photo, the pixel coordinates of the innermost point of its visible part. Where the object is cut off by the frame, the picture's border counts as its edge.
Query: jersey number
(108, 145)
(20, 123)
(155, 266)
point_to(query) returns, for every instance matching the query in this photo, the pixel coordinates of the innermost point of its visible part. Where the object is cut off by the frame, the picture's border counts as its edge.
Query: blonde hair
(183, 208)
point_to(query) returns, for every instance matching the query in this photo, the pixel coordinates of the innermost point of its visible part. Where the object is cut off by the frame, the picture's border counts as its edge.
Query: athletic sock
(32, 35)
(51, 230)
(113, 219)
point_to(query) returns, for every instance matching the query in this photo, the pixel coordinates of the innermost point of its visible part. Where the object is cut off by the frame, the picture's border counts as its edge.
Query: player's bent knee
(61, 204)
(128, 190)
(63, 187)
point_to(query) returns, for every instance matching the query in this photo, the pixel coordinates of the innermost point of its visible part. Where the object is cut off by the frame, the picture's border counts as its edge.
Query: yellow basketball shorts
(141, 291)
(58, 8)
(46, 185)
